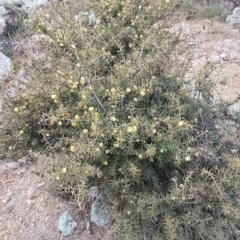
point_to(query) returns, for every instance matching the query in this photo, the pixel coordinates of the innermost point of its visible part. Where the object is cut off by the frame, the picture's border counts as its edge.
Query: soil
(212, 43)
(30, 208)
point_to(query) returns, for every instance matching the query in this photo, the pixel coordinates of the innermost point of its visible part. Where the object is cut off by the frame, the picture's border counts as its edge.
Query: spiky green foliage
(107, 108)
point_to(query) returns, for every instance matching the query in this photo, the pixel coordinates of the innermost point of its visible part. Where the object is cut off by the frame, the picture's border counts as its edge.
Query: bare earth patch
(211, 42)
(30, 208)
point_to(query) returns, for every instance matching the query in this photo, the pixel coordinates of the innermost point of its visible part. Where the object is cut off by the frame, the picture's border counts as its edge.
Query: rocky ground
(30, 207)
(211, 43)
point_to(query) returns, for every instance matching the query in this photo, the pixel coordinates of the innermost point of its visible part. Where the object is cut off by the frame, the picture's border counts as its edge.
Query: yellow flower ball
(64, 170)
(53, 96)
(15, 109)
(74, 123)
(21, 132)
(82, 80)
(113, 90)
(85, 131)
(129, 129)
(97, 150)
(134, 128)
(187, 158)
(72, 149)
(116, 145)
(180, 123)
(142, 92)
(105, 163)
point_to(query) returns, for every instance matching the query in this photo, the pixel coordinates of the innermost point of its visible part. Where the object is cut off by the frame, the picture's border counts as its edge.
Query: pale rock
(12, 165)
(234, 18)
(6, 199)
(9, 2)
(93, 192)
(30, 202)
(223, 55)
(3, 11)
(6, 66)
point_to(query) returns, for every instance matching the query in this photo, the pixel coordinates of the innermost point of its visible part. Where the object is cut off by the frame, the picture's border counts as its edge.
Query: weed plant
(207, 9)
(103, 108)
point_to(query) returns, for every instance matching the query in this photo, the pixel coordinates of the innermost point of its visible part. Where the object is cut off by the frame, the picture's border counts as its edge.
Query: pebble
(30, 202)
(6, 200)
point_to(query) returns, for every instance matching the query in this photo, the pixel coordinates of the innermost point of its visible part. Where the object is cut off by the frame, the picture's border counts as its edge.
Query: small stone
(6, 200)
(30, 202)
(12, 165)
(66, 224)
(223, 55)
(87, 226)
(93, 192)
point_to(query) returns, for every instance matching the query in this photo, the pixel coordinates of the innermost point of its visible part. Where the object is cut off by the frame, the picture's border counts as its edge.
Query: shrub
(207, 9)
(106, 110)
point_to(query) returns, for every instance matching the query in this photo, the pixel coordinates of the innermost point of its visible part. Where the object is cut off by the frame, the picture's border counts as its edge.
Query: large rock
(9, 2)
(234, 18)
(6, 66)
(3, 11)
(28, 6)
(100, 213)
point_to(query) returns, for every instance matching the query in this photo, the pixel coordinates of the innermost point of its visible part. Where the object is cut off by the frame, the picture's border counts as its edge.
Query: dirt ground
(29, 208)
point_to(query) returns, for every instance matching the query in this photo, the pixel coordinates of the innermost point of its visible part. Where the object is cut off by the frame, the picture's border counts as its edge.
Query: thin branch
(96, 97)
